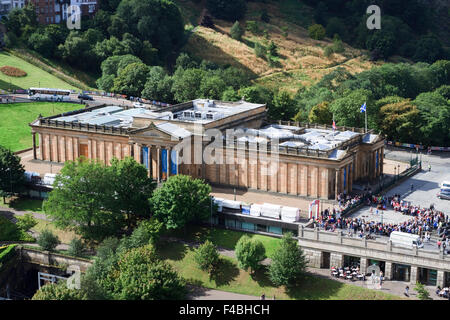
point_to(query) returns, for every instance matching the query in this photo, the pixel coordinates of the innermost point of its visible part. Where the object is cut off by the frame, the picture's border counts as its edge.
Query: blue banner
(144, 157)
(164, 161)
(173, 162)
(345, 177)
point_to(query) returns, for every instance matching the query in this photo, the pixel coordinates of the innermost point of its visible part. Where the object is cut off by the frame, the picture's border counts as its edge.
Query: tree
(12, 176)
(47, 240)
(257, 94)
(317, 32)
(283, 107)
(230, 95)
(288, 263)
(76, 247)
(142, 276)
(212, 87)
(181, 199)
(236, 31)
(428, 49)
(249, 253)
(81, 194)
(186, 84)
(265, 16)
(132, 188)
(336, 26)
(400, 121)
(157, 21)
(58, 291)
(321, 114)
(42, 44)
(422, 292)
(152, 89)
(346, 110)
(131, 79)
(206, 256)
(230, 10)
(26, 222)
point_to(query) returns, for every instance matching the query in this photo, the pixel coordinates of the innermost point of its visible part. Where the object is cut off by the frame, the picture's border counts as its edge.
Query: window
(209, 116)
(198, 115)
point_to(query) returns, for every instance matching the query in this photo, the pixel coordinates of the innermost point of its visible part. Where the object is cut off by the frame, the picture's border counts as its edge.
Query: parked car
(85, 97)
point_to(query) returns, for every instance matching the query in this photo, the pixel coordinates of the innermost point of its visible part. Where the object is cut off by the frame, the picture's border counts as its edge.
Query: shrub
(236, 31)
(26, 222)
(272, 49)
(422, 293)
(206, 256)
(285, 30)
(48, 241)
(260, 50)
(338, 46)
(249, 253)
(317, 31)
(76, 247)
(13, 71)
(58, 291)
(252, 26)
(11, 232)
(328, 52)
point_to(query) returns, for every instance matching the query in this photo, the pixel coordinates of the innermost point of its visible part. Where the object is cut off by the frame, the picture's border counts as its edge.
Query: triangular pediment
(151, 132)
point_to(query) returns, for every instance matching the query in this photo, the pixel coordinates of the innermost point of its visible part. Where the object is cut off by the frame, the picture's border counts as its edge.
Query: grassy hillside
(301, 59)
(35, 76)
(15, 132)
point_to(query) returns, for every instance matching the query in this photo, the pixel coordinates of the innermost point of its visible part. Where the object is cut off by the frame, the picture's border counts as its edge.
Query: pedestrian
(381, 278)
(407, 291)
(263, 297)
(412, 187)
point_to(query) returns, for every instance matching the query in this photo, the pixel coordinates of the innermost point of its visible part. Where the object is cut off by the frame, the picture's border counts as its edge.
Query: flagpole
(365, 116)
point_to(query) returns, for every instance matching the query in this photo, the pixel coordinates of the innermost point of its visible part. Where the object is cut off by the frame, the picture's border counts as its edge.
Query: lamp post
(398, 171)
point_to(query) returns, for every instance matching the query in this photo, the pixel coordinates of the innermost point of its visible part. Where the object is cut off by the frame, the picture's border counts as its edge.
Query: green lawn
(232, 279)
(15, 133)
(223, 238)
(63, 235)
(35, 77)
(23, 204)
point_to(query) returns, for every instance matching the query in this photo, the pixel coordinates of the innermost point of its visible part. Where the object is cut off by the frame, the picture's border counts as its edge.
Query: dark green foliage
(272, 49)
(236, 31)
(180, 200)
(42, 44)
(288, 263)
(47, 240)
(265, 16)
(58, 291)
(206, 256)
(260, 50)
(26, 222)
(252, 26)
(76, 247)
(11, 232)
(131, 79)
(317, 32)
(11, 173)
(249, 253)
(230, 10)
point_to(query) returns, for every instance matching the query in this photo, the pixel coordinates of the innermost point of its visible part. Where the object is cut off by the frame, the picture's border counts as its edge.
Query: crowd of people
(347, 273)
(444, 292)
(423, 221)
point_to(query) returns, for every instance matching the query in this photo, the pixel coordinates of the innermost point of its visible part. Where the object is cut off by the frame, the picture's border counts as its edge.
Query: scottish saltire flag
(363, 108)
(334, 125)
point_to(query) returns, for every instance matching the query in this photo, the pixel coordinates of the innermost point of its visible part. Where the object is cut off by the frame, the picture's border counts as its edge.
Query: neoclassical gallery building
(228, 144)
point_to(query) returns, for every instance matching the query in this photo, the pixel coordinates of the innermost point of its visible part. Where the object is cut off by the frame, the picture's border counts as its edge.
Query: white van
(405, 239)
(444, 192)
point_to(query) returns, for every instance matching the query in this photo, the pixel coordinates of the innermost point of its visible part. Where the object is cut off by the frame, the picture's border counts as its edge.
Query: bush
(48, 241)
(260, 50)
(422, 293)
(252, 26)
(76, 247)
(272, 49)
(206, 256)
(11, 232)
(249, 253)
(285, 30)
(328, 52)
(236, 31)
(6, 253)
(26, 222)
(317, 32)
(58, 291)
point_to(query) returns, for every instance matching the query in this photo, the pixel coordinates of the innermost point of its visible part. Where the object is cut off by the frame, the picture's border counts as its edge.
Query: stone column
(336, 259)
(363, 265)
(149, 161)
(169, 151)
(440, 278)
(158, 163)
(34, 146)
(388, 270)
(41, 147)
(336, 188)
(414, 274)
(382, 160)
